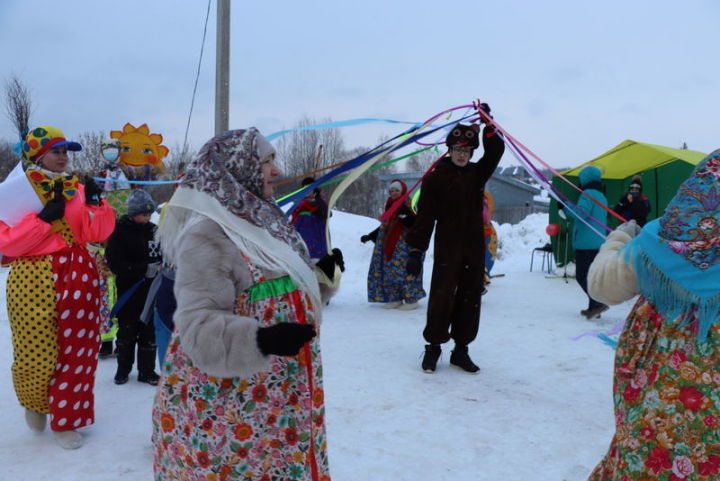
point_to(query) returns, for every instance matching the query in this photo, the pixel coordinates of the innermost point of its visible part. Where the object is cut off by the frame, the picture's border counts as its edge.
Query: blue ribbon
(339, 123)
(145, 182)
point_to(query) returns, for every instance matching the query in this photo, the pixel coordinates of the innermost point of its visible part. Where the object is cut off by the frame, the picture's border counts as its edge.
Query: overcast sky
(568, 78)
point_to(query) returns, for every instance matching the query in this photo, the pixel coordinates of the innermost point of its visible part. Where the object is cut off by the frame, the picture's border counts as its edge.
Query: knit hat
(464, 135)
(589, 173)
(41, 139)
(636, 182)
(140, 202)
(110, 144)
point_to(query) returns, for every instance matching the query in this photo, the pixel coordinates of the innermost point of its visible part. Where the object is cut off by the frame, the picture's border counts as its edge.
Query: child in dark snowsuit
(134, 258)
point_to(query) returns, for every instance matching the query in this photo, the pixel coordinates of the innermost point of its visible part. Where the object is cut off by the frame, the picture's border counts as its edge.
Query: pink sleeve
(25, 236)
(98, 222)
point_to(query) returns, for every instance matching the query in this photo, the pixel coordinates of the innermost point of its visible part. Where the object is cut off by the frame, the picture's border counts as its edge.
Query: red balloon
(552, 229)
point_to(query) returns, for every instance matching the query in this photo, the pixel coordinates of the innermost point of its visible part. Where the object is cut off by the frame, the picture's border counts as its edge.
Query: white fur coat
(210, 276)
(611, 279)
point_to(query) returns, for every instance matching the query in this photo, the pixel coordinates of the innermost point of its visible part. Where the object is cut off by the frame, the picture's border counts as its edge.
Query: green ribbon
(271, 288)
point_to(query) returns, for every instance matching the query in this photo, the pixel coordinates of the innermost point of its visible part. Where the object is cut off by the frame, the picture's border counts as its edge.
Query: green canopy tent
(662, 170)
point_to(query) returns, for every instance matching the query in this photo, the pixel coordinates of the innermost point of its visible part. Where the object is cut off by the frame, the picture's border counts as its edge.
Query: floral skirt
(389, 281)
(667, 402)
(267, 427)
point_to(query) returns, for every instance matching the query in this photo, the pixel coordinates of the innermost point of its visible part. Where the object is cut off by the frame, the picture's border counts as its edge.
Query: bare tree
(366, 196)
(18, 105)
(88, 161)
(304, 151)
(8, 158)
(422, 161)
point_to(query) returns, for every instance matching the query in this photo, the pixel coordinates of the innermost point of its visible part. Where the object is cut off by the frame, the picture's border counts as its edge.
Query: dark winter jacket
(637, 209)
(451, 202)
(131, 247)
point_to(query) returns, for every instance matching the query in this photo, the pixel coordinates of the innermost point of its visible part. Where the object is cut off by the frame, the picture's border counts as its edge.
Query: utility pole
(222, 67)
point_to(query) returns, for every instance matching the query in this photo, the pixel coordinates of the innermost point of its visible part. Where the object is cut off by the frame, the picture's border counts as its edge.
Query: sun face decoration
(140, 151)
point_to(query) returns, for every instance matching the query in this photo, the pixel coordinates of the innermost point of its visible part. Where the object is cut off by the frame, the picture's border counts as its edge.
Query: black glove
(370, 237)
(54, 209)
(339, 259)
(284, 339)
(413, 266)
(92, 192)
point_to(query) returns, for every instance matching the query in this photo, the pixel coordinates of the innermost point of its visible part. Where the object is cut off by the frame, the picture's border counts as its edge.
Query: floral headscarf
(677, 257)
(224, 183)
(228, 168)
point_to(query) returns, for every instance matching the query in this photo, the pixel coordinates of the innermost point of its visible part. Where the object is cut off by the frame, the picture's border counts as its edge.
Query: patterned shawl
(224, 183)
(677, 257)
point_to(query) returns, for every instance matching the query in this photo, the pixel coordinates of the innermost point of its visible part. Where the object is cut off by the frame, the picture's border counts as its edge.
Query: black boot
(106, 349)
(461, 359)
(146, 364)
(430, 359)
(125, 359)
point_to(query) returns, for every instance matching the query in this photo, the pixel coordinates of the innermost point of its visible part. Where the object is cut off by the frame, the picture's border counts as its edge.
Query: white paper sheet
(17, 197)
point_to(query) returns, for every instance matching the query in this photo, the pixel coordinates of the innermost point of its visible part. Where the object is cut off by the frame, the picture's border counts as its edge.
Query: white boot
(35, 420)
(68, 439)
(409, 306)
(392, 305)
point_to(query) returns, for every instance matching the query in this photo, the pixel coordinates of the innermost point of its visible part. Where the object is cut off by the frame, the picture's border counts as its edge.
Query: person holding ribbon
(451, 204)
(52, 288)
(241, 393)
(388, 282)
(667, 361)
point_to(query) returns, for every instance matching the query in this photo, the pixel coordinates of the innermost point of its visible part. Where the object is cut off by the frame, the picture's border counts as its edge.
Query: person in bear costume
(451, 203)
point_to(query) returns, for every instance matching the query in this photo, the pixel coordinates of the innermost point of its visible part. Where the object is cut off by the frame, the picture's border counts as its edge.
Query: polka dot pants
(73, 297)
(31, 309)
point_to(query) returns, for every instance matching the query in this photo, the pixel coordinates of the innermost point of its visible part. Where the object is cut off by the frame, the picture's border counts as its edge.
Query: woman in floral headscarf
(388, 281)
(52, 290)
(241, 393)
(667, 364)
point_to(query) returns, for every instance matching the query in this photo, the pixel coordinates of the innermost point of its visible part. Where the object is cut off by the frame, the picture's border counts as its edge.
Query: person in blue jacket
(589, 219)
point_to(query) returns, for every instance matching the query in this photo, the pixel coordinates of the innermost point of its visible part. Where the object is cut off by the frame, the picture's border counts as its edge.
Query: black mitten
(413, 266)
(54, 209)
(327, 265)
(372, 236)
(339, 259)
(284, 339)
(92, 192)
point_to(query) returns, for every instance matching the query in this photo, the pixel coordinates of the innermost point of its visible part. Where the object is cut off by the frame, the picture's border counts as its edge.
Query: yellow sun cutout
(139, 149)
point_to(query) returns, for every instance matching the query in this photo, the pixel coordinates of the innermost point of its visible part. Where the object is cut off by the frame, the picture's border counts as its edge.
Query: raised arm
(493, 147)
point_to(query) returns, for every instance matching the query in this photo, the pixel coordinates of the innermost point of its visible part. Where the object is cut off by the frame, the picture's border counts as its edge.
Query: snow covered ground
(540, 409)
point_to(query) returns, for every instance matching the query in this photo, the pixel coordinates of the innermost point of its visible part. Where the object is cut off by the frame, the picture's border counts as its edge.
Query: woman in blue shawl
(667, 364)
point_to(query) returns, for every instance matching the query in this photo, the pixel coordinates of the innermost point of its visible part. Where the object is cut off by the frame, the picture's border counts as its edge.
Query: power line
(197, 76)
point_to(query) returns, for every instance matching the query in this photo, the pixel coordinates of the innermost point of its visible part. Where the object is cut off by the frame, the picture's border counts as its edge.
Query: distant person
(667, 361)
(388, 281)
(52, 290)
(491, 240)
(587, 231)
(633, 205)
(451, 203)
(134, 257)
(310, 220)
